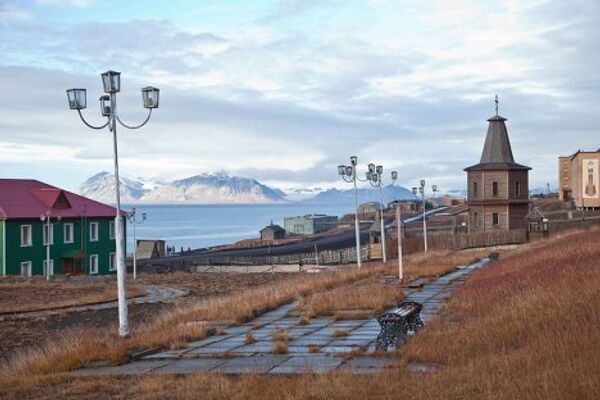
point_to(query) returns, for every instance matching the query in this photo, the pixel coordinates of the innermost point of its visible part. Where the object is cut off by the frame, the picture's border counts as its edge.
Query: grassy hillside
(526, 327)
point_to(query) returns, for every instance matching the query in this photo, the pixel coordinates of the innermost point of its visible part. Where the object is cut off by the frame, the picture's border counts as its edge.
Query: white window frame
(51, 266)
(72, 228)
(26, 264)
(94, 229)
(47, 231)
(112, 261)
(94, 263)
(111, 230)
(29, 241)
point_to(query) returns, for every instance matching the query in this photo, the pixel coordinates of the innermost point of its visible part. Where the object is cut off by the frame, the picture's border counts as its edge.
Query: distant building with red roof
(80, 236)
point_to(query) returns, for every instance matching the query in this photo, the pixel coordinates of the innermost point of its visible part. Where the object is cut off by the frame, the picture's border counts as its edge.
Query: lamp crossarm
(90, 125)
(346, 180)
(137, 126)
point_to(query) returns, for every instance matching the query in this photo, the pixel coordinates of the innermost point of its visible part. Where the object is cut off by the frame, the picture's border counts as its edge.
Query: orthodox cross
(496, 101)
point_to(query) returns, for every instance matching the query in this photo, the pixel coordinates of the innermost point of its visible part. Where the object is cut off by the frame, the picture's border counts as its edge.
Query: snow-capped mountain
(217, 188)
(101, 187)
(346, 196)
(213, 189)
(300, 194)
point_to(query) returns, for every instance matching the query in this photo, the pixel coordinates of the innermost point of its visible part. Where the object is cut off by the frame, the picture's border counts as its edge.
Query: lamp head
(422, 183)
(394, 175)
(77, 99)
(349, 170)
(414, 190)
(341, 170)
(353, 161)
(379, 169)
(371, 168)
(150, 97)
(105, 106)
(111, 80)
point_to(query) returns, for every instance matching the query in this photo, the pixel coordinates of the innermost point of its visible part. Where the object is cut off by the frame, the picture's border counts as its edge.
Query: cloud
(286, 97)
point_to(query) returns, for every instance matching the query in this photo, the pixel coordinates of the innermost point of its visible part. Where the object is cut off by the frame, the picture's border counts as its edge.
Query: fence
(458, 241)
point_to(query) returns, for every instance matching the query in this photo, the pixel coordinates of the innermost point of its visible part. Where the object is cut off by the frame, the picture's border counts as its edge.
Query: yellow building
(579, 178)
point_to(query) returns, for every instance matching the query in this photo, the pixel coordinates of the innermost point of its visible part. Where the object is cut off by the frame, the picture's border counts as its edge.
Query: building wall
(565, 179)
(517, 215)
(36, 253)
(308, 226)
(580, 182)
(522, 178)
(325, 223)
(485, 183)
(2, 249)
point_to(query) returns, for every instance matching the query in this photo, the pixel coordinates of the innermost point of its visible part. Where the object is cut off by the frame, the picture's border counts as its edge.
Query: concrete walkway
(154, 294)
(315, 347)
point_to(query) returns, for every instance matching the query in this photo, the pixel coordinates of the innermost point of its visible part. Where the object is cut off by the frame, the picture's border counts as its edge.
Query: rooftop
(29, 198)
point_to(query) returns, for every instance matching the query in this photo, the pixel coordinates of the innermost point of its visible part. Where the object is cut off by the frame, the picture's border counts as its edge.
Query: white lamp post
(111, 82)
(49, 229)
(348, 174)
(132, 217)
(374, 176)
(421, 190)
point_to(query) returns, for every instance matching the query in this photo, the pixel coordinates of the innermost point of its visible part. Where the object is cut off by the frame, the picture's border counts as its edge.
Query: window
(475, 218)
(112, 262)
(48, 266)
(474, 189)
(494, 188)
(68, 233)
(111, 230)
(94, 264)
(517, 189)
(495, 219)
(48, 234)
(26, 268)
(93, 231)
(25, 235)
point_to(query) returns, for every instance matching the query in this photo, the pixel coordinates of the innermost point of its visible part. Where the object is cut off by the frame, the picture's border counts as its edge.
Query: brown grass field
(35, 294)
(523, 328)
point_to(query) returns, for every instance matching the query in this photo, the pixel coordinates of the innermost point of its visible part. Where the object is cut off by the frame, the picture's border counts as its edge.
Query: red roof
(28, 198)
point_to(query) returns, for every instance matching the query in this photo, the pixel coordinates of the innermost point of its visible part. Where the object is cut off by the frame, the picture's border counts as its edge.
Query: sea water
(198, 226)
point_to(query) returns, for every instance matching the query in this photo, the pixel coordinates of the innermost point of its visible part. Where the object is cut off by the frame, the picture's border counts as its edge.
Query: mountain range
(221, 188)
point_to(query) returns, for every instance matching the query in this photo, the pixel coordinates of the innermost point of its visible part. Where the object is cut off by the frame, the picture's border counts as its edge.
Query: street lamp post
(132, 217)
(348, 174)
(374, 176)
(77, 98)
(49, 229)
(421, 190)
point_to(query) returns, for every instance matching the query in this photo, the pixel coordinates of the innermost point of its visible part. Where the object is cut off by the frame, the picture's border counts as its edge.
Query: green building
(36, 217)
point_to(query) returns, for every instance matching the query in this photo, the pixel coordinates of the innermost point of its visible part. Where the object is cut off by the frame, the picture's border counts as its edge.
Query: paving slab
(307, 364)
(190, 366)
(136, 368)
(257, 365)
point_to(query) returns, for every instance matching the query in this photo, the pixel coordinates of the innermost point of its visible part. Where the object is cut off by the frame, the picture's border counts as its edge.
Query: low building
(498, 187)
(579, 179)
(149, 249)
(81, 234)
(369, 208)
(407, 206)
(272, 232)
(309, 224)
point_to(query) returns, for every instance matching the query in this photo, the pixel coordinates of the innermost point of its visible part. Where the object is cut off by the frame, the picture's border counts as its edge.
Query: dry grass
(19, 294)
(280, 335)
(280, 347)
(339, 333)
(249, 338)
(314, 348)
(371, 295)
(524, 328)
(171, 329)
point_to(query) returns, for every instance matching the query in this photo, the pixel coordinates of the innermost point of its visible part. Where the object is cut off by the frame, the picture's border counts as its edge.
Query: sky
(283, 91)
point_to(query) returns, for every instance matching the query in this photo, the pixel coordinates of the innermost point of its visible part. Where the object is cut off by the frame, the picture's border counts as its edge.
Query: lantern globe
(349, 170)
(111, 80)
(77, 99)
(342, 170)
(353, 160)
(105, 106)
(150, 96)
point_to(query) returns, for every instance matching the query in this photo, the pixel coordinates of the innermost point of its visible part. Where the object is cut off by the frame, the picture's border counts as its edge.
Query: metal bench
(397, 324)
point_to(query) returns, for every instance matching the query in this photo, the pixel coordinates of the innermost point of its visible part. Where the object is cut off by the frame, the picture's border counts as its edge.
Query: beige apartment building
(498, 187)
(579, 178)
